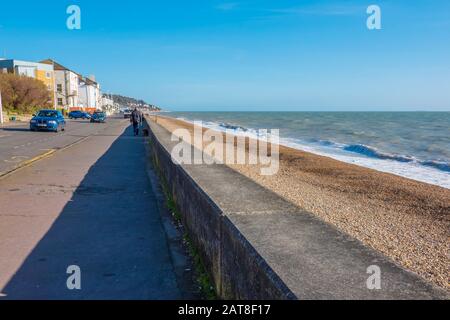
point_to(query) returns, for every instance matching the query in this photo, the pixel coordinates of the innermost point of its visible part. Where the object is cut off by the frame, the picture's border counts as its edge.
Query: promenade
(90, 205)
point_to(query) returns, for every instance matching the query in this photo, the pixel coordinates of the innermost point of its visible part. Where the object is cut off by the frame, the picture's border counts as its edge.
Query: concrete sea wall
(256, 245)
(236, 268)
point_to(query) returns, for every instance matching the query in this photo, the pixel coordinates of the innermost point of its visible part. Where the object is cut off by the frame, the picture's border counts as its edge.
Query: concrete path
(90, 205)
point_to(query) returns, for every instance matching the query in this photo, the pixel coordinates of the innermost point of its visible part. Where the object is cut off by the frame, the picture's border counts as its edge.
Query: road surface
(91, 206)
(18, 144)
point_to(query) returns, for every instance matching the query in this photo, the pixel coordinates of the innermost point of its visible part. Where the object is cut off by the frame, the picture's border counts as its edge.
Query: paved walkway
(92, 206)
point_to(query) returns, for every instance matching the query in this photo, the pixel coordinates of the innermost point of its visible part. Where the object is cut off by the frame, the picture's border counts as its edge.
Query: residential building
(89, 93)
(40, 71)
(109, 106)
(66, 82)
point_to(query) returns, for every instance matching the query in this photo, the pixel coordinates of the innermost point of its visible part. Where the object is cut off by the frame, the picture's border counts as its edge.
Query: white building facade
(66, 86)
(108, 105)
(89, 94)
(66, 89)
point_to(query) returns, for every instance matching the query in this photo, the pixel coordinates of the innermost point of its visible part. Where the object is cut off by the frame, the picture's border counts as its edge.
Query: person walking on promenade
(136, 120)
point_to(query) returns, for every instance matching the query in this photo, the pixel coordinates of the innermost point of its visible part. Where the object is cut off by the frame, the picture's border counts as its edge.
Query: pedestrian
(136, 120)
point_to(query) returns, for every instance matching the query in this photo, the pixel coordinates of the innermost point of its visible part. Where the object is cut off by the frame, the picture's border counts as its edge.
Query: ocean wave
(232, 127)
(327, 143)
(441, 165)
(374, 153)
(327, 146)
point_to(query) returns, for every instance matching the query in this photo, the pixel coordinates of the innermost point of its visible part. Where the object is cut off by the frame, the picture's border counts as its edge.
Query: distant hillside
(132, 102)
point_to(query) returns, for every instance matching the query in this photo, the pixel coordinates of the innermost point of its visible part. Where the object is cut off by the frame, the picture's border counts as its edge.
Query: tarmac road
(18, 144)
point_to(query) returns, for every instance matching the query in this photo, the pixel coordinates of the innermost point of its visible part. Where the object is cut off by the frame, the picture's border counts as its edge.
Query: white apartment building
(89, 93)
(109, 106)
(66, 86)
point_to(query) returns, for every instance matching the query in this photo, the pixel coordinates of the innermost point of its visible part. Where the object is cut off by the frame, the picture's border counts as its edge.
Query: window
(48, 114)
(60, 101)
(59, 87)
(48, 75)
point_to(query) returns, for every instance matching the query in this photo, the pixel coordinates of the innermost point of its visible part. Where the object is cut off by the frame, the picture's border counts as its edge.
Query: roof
(58, 66)
(89, 81)
(15, 62)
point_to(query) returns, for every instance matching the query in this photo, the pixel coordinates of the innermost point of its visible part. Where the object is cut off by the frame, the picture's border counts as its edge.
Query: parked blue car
(49, 120)
(79, 115)
(99, 117)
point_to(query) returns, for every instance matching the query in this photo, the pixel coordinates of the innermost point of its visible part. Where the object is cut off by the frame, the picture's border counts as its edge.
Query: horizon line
(223, 110)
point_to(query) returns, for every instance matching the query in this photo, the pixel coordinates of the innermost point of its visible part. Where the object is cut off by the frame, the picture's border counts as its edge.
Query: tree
(22, 94)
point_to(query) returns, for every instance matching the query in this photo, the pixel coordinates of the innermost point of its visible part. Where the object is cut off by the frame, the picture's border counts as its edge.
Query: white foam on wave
(412, 170)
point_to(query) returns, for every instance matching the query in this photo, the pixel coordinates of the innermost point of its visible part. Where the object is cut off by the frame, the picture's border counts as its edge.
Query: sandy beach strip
(407, 220)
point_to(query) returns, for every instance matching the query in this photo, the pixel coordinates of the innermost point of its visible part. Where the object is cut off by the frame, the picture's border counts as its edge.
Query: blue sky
(246, 55)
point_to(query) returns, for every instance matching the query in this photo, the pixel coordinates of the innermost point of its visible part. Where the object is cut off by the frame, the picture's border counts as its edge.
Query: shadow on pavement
(111, 229)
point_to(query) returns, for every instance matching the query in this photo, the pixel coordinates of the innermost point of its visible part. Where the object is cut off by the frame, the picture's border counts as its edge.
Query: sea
(414, 145)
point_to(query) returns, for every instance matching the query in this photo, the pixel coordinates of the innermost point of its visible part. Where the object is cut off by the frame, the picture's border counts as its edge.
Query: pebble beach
(407, 220)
